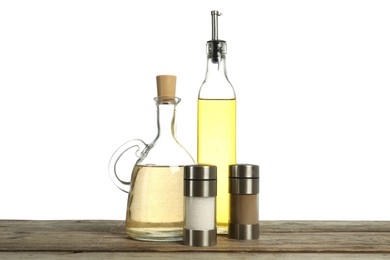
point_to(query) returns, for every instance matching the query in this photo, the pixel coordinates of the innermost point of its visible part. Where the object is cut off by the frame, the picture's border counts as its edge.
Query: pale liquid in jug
(155, 205)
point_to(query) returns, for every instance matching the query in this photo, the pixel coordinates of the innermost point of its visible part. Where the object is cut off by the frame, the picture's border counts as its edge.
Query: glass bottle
(155, 203)
(217, 121)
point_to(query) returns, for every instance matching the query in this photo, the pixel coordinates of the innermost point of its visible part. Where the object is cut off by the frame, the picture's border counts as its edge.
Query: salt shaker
(200, 191)
(244, 201)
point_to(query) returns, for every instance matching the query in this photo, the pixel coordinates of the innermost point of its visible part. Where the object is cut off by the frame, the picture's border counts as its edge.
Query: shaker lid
(166, 85)
(200, 172)
(243, 179)
(243, 171)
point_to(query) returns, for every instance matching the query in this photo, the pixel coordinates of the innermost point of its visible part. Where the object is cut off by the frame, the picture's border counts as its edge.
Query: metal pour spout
(214, 24)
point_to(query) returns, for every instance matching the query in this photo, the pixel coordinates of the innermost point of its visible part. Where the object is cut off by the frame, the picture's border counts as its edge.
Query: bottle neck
(216, 67)
(216, 84)
(216, 58)
(166, 123)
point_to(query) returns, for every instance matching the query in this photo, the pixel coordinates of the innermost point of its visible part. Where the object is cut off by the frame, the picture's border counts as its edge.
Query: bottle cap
(166, 87)
(216, 48)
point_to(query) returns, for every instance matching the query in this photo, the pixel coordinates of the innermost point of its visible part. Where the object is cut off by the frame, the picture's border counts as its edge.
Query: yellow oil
(217, 146)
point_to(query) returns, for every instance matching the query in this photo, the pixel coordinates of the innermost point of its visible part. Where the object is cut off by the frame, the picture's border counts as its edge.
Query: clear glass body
(217, 130)
(155, 203)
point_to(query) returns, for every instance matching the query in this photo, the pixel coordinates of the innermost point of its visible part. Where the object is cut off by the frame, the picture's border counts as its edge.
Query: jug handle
(141, 150)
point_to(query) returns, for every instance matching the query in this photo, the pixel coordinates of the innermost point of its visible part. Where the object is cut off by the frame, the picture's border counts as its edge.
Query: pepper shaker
(244, 201)
(200, 191)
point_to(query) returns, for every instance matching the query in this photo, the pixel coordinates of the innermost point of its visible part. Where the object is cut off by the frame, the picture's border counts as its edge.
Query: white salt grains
(199, 213)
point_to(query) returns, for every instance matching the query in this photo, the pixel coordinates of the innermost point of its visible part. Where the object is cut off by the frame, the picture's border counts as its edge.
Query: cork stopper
(166, 86)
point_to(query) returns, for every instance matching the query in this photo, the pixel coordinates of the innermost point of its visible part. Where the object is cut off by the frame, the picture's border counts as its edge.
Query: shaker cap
(166, 86)
(200, 181)
(243, 179)
(200, 172)
(243, 171)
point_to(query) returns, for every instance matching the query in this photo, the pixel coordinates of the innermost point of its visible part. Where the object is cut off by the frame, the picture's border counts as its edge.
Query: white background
(312, 78)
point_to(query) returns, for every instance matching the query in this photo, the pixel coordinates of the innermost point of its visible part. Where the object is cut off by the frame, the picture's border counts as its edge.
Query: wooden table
(105, 239)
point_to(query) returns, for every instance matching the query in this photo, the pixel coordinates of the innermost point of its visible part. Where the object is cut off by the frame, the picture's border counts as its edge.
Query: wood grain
(88, 237)
(192, 255)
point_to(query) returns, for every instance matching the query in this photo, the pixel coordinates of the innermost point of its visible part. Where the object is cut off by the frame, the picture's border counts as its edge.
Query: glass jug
(155, 202)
